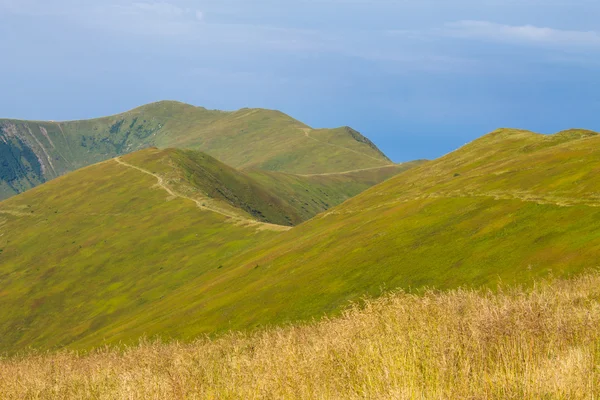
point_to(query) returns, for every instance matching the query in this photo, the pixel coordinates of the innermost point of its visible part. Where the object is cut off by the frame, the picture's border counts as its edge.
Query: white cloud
(524, 34)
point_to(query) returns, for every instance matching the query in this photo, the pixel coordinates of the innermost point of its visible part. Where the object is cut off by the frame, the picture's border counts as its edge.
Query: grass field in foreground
(540, 343)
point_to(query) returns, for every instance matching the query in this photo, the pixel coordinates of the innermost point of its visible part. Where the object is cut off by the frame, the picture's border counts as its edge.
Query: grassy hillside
(510, 207)
(110, 242)
(213, 185)
(274, 197)
(102, 244)
(514, 344)
(310, 195)
(33, 152)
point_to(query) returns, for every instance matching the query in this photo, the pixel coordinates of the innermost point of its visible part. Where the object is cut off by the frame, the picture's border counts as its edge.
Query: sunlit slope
(103, 245)
(113, 243)
(538, 343)
(33, 152)
(512, 206)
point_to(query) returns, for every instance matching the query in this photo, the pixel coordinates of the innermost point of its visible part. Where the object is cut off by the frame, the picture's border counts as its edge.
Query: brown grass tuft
(542, 343)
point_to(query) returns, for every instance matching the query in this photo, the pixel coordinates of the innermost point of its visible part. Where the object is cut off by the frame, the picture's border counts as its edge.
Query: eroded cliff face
(32, 152)
(25, 161)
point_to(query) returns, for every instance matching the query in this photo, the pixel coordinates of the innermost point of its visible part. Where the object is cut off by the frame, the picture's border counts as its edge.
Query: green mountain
(511, 207)
(138, 245)
(33, 152)
(111, 241)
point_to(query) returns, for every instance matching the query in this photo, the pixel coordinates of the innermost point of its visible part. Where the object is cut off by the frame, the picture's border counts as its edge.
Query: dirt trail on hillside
(350, 172)
(523, 196)
(307, 132)
(237, 219)
(16, 213)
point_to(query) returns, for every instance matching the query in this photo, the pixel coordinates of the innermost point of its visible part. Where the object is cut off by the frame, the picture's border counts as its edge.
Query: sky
(418, 77)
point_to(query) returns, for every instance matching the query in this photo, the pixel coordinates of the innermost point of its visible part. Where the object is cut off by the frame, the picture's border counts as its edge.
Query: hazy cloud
(524, 34)
(146, 18)
(34, 8)
(160, 9)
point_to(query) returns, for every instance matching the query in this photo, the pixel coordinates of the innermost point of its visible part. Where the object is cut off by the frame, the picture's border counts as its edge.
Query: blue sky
(418, 77)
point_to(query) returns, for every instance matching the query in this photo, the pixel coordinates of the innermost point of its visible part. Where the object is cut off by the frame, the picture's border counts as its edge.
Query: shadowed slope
(310, 195)
(212, 185)
(267, 196)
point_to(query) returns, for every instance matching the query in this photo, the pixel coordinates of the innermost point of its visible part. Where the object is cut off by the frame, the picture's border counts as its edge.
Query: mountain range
(33, 152)
(272, 222)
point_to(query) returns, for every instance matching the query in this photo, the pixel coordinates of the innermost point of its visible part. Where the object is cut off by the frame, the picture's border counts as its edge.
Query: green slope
(112, 242)
(513, 206)
(213, 185)
(102, 244)
(312, 194)
(34, 152)
(267, 196)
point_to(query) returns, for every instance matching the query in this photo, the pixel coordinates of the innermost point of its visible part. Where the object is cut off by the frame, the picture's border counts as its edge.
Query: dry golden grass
(542, 343)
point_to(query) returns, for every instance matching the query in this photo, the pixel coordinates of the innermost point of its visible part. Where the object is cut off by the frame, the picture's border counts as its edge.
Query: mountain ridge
(37, 151)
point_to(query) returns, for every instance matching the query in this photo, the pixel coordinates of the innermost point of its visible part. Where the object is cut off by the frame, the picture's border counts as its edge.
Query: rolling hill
(33, 152)
(98, 244)
(109, 241)
(510, 207)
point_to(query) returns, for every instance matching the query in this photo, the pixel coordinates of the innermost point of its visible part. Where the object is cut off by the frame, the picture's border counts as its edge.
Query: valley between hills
(173, 222)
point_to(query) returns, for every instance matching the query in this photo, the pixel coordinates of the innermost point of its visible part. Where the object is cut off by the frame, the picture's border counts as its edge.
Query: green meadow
(175, 244)
(115, 242)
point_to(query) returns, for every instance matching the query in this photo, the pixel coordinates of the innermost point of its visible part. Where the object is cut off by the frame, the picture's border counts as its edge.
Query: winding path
(351, 171)
(525, 197)
(234, 217)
